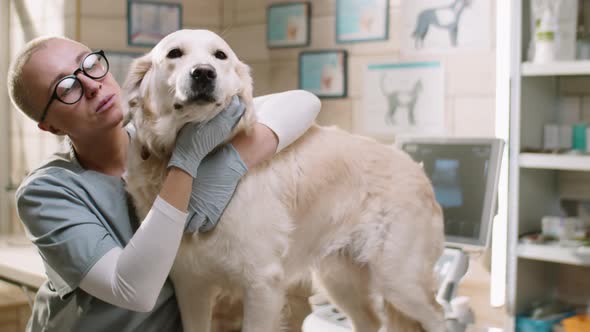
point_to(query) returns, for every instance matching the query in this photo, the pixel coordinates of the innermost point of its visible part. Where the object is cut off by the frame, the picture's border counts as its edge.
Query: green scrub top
(74, 216)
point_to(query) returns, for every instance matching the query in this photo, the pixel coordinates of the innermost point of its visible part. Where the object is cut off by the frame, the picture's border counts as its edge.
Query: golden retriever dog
(359, 216)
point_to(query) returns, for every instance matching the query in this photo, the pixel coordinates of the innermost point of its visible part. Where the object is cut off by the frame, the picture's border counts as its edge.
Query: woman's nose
(91, 86)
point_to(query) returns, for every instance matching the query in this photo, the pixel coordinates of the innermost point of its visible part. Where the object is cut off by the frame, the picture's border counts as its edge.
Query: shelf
(555, 161)
(552, 253)
(561, 68)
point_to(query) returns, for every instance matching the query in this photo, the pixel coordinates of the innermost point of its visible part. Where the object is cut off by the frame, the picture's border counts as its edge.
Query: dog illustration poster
(445, 25)
(288, 25)
(323, 73)
(148, 22)
(403, 99)
(361, 20)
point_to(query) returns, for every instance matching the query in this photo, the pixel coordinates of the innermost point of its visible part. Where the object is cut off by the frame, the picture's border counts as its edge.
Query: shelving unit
(536, 180)
(561, 68)
(552, 253)
(554, 161)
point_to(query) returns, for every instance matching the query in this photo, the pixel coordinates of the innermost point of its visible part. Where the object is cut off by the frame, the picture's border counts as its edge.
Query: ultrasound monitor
(464, 174)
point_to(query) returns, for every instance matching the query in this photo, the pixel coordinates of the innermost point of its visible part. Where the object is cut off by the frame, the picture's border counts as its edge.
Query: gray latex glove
(218, 177)
(196, 140)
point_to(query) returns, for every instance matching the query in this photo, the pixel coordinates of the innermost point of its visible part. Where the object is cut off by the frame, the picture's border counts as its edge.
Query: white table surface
(20, 262)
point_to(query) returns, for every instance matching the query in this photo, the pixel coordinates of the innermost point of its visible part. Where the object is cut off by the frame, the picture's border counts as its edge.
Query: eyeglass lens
(69, 89)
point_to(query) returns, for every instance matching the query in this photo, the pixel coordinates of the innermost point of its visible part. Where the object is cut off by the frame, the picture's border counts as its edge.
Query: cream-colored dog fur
(360, 216)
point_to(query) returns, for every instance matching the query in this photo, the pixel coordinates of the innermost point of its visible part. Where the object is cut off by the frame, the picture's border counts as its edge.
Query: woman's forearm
(176, 189)
(282, 118)
(260, 145)
(132, 277)
(289, 114)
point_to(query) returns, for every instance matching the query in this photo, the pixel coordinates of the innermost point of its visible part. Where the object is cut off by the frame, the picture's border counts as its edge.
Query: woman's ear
(50, 129)
(138, 70)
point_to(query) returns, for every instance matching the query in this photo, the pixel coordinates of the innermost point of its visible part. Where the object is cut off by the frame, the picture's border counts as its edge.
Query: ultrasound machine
(464, 173)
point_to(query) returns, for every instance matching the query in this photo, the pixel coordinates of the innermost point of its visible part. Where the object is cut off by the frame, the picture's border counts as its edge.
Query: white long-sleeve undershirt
(289, 114)
(132, 277)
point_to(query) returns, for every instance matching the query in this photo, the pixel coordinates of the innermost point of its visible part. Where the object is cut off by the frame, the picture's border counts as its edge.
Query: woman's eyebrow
(62, 75)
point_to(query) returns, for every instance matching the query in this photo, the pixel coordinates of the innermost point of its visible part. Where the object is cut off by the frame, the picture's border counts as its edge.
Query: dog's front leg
(195, 301)
(262, 308)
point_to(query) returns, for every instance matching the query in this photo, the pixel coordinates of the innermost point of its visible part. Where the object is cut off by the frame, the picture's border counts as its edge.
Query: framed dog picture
(445, 26)
(324, 73)
(148, 22)
(288, 25)
(402, 99)
(361, 20)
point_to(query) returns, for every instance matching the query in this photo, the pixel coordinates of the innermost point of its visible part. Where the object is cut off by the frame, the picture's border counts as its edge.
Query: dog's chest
(144, 182)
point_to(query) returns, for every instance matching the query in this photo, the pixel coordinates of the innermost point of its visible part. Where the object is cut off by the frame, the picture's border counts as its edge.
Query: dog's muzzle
(203, 79)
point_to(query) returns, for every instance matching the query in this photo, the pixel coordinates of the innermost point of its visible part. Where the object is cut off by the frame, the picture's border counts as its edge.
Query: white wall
(469, 76)
(4, 118)
(103, 24)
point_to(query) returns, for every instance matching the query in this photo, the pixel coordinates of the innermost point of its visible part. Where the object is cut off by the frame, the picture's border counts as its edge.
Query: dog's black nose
(203, 73)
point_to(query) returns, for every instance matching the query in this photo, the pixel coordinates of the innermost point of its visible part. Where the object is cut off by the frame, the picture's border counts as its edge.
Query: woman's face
(98, 109)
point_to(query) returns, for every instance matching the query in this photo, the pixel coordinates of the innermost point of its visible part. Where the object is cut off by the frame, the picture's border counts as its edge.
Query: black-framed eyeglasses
(69, 90)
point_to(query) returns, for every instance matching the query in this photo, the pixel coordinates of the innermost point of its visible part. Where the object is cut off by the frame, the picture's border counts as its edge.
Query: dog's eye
(220, 55)
(174, 53)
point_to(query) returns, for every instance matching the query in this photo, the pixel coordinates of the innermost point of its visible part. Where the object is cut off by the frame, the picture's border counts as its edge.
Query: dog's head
(189, 76)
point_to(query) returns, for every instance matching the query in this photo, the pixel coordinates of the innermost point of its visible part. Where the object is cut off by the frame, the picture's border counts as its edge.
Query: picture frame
(469, 27)
(148, 22)
(362, 20)
(288, 25)
(324, 73)
(402, 98)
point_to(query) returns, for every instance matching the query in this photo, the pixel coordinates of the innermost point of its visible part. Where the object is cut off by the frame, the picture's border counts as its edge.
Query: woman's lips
(106, 103)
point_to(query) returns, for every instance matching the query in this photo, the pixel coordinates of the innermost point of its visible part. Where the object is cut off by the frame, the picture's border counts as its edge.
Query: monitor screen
(464, 175)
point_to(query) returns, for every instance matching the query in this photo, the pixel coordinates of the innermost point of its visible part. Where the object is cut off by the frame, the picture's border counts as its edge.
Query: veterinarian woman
(105, 273)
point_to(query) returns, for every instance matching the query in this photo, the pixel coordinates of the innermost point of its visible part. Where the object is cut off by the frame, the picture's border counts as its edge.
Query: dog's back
(329, 197)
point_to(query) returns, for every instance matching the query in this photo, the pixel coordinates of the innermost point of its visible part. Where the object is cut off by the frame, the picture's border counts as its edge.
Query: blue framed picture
(324, 73)
(362, 20)
(149, 22)
(288, 25)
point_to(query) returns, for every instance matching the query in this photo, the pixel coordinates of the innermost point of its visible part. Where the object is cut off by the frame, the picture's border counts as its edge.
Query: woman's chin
(111, 117)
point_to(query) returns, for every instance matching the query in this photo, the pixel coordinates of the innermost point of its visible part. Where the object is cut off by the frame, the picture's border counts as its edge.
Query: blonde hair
(18, 90)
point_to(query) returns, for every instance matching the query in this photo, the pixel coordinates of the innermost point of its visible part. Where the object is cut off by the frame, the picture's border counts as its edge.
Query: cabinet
(539, 183)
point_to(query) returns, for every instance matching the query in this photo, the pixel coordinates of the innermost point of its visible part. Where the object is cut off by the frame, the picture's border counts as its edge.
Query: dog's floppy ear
(246, 94)
(137, 72)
